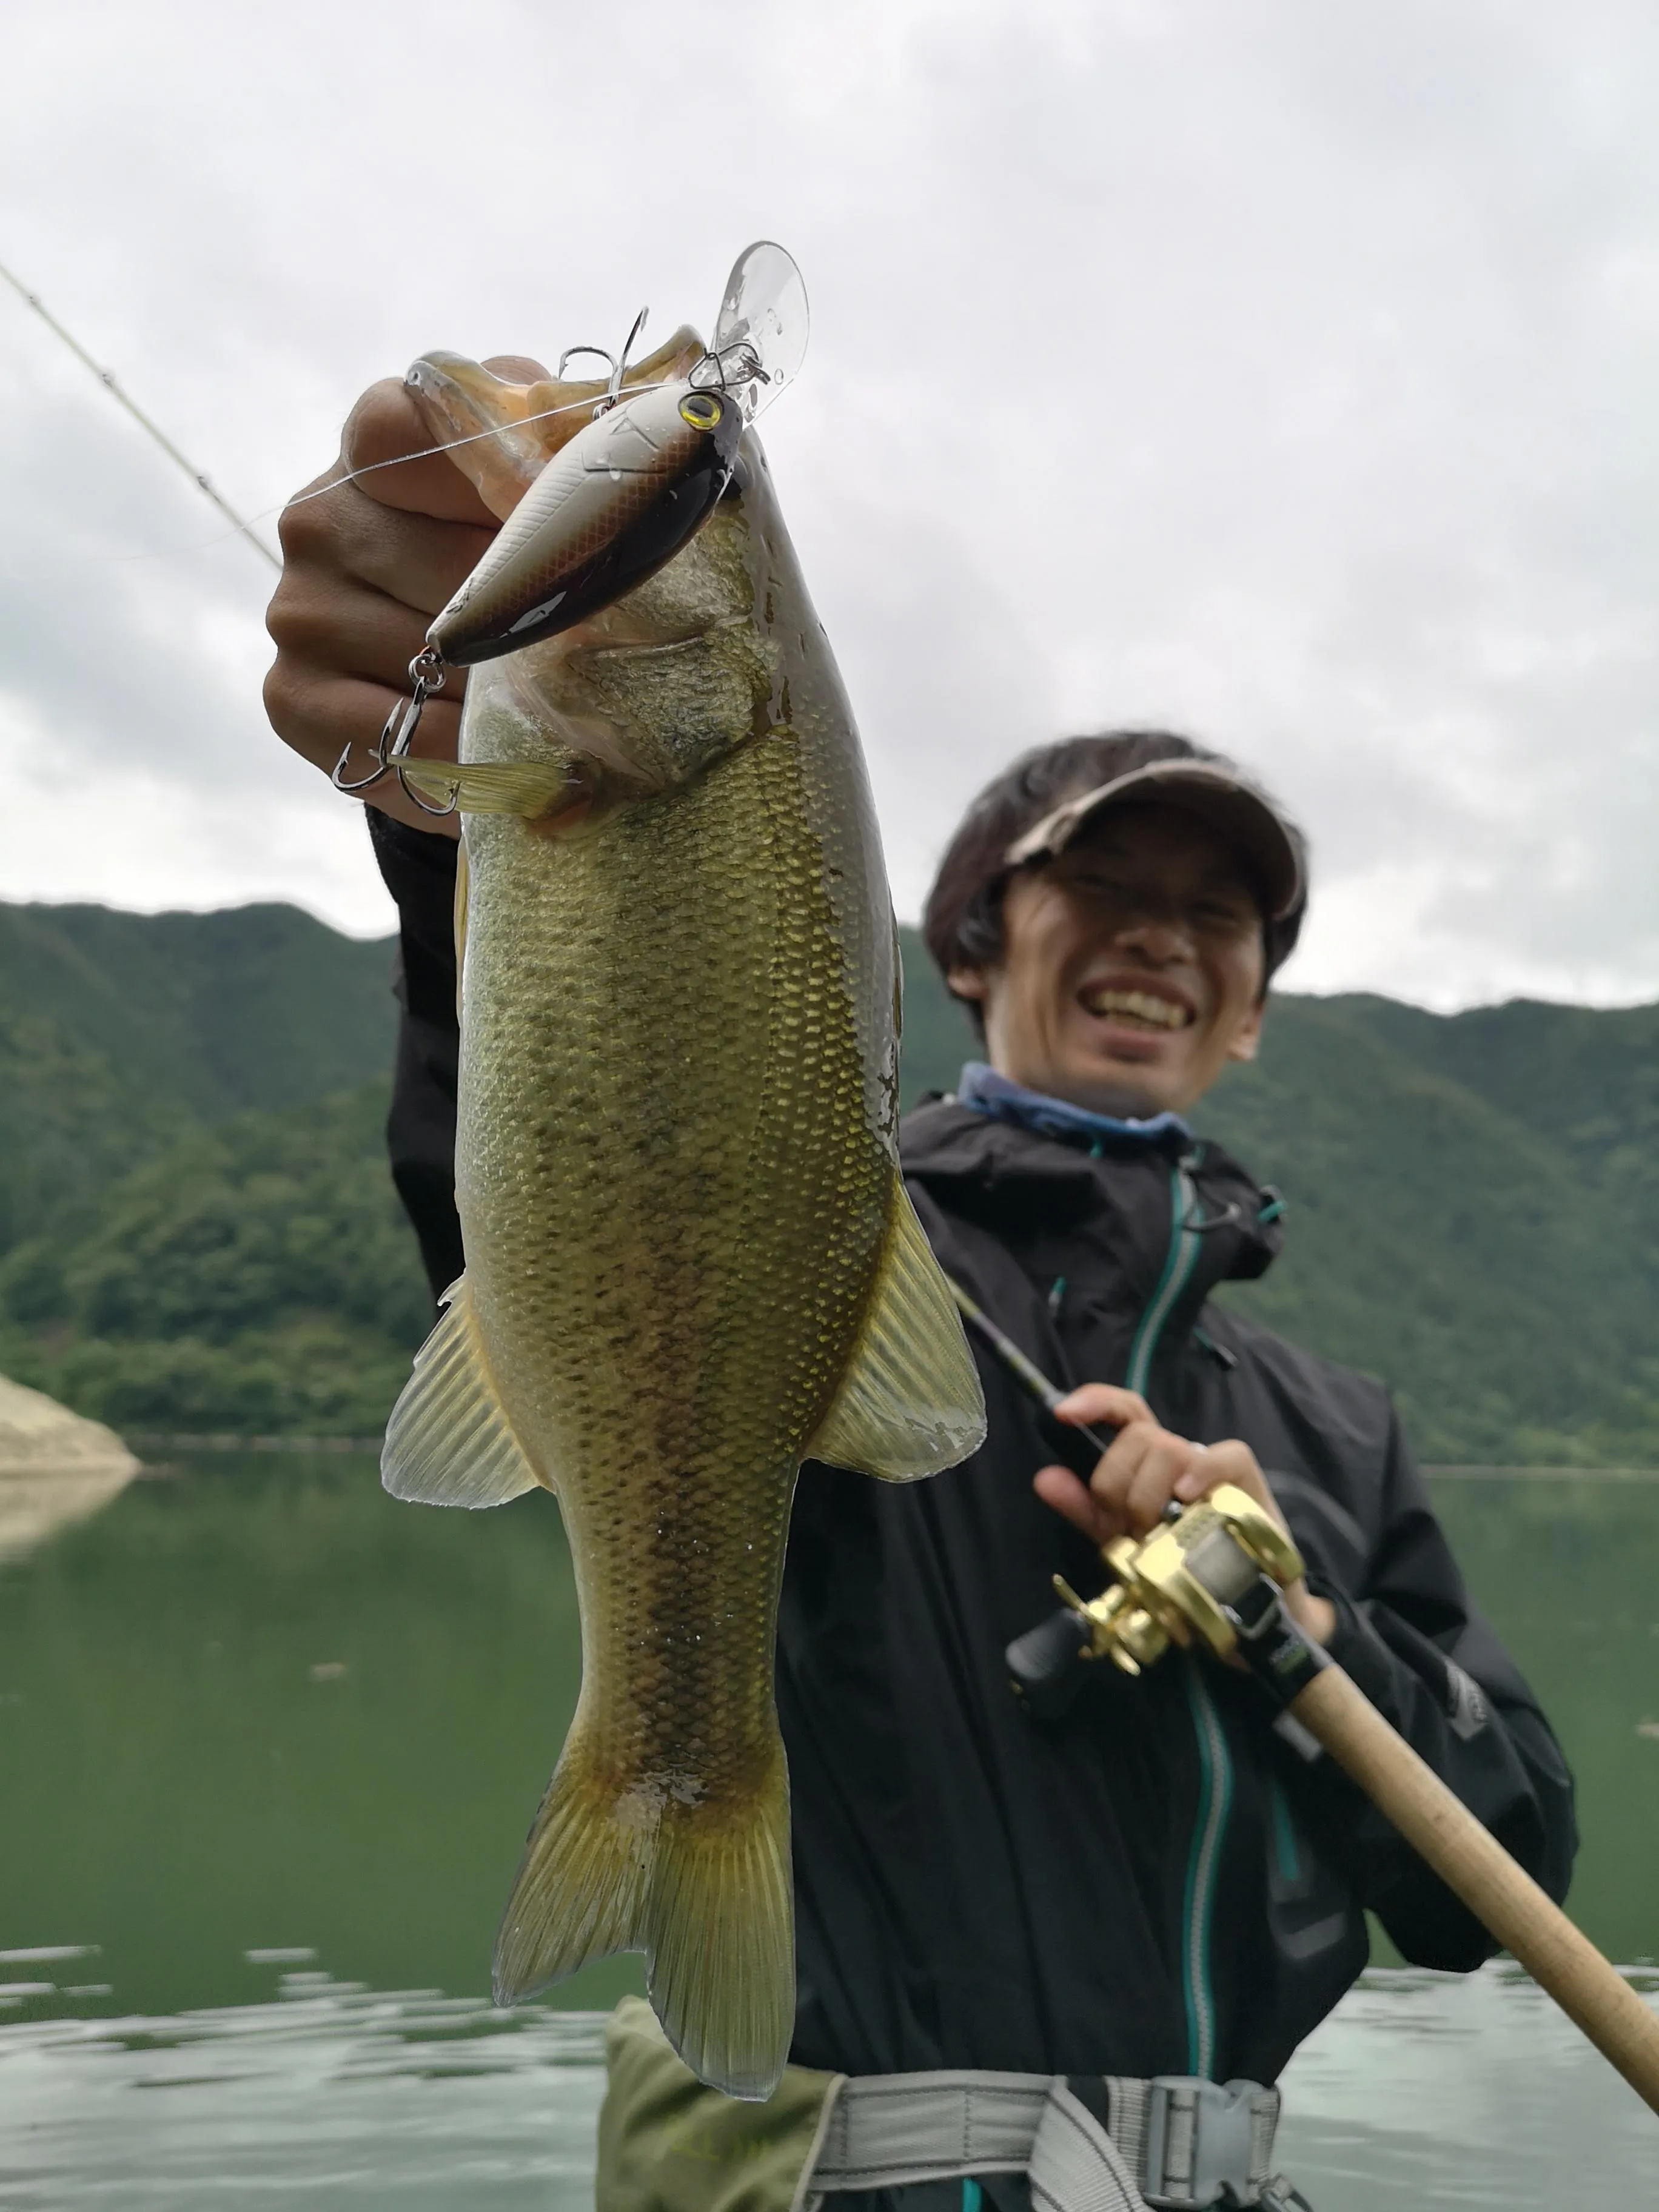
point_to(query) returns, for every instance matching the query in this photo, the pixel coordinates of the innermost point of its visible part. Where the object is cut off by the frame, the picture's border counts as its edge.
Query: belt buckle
(1198, 2143)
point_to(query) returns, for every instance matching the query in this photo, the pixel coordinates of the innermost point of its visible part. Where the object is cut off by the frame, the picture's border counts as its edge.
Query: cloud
(1278, 371)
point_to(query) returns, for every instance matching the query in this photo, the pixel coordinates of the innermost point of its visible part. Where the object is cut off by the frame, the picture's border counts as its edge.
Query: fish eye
(702, 410)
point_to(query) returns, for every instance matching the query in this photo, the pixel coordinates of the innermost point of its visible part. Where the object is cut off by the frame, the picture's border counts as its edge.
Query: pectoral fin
(530, 788)
(449, 1441)
(910, 1403)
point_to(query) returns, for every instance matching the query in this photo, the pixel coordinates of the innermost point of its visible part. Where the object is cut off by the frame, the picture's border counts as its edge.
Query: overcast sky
(1284, 372)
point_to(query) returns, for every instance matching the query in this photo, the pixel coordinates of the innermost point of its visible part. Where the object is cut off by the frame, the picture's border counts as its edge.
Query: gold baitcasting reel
(1180, 1585)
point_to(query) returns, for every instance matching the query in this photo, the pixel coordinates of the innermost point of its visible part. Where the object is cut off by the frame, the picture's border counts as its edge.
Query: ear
(1246, 1039)
(967, 983)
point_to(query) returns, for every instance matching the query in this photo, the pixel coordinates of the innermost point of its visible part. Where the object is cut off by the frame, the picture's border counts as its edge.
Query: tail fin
(702, 1889)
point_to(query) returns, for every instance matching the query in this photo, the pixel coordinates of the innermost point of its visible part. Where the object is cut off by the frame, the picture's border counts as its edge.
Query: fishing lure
(610, 508)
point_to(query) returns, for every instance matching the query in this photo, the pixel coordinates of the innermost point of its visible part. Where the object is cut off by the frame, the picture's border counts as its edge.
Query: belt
(1176, 2143)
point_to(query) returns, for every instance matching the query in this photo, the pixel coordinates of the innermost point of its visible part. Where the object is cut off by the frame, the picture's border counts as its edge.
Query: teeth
(1139, 1006)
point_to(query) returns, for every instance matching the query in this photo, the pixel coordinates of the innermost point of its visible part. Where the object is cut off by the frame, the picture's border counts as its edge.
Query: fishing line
(427, 452)
(241, 527)
(300, 498)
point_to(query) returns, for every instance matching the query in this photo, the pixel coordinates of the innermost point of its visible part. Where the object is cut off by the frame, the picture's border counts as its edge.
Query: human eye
(1223, 911)
(1096, 882)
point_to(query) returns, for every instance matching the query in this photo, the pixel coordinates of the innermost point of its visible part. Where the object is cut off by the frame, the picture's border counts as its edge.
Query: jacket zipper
(1182, 1258)
(1214, 1803)
(1214, 1761)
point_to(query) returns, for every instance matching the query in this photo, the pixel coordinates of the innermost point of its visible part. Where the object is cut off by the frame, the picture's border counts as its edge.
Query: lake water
(268, 1742)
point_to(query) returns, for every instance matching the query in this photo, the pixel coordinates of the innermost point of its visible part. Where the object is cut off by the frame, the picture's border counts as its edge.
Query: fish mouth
(1158, 1011)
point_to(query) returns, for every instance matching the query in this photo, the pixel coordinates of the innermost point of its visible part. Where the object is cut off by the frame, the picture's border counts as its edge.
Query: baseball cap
(1235, 808)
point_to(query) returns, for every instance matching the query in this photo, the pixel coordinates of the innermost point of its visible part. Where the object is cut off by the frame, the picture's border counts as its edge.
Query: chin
(1125, 1093)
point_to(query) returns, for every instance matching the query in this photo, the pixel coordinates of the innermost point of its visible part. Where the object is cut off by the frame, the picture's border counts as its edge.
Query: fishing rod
(1212, 1576)
(107, 378)
(1048, 1394)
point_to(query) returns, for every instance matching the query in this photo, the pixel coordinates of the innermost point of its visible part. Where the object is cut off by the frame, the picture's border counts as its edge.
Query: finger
(346, 630)
(1114, 1475)
(1069, 1496)
(384, 427)
(324, 716)
(321, 715)
(420, 559)
(1316, 1615)
(1233, 1463)
(1161, 1465)
(1104, 1405)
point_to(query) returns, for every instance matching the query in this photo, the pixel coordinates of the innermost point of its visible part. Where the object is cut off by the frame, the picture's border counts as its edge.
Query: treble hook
(619, 367)
(426, 675)
(619, 363)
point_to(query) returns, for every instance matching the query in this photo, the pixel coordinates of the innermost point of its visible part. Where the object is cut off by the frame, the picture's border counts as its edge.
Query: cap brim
(1245, 816)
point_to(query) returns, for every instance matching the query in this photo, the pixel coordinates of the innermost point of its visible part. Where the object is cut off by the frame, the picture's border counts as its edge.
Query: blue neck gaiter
(1000, 1099)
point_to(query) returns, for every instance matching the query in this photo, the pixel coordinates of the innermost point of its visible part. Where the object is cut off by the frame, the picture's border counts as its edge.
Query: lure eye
(702, 410)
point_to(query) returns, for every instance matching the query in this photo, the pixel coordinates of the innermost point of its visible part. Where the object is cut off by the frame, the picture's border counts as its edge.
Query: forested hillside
(197, 1227)
(197, 1231)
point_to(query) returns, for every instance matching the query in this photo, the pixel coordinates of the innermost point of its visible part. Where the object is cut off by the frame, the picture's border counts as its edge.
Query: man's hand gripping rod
(1210, 1578)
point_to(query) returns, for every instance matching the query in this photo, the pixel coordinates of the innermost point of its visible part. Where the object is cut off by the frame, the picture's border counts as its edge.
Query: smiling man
(1150, 1892)
(1115, 954)
(1150, 1889)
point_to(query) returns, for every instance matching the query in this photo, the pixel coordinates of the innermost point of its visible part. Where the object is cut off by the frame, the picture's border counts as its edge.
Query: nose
(1160, 938)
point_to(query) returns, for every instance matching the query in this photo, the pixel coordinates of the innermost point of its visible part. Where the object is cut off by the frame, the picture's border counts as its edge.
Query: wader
(1095, 2143)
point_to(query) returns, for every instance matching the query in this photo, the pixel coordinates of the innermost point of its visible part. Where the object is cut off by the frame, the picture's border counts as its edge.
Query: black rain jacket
(1153, 1882)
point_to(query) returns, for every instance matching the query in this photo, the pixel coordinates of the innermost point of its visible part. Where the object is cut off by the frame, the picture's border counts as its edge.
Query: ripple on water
(1422, 2090)
(1463, 2091)
(332, 2094)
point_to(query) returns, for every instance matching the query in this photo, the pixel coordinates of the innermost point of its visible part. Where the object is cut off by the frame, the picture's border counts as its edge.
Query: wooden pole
(1505, 1898)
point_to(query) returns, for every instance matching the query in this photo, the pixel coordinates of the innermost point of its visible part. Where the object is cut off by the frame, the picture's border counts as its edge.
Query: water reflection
(1441, 2090)
(332, 2095)
(268, 1744)
(258, 1702)
(1425, 2090)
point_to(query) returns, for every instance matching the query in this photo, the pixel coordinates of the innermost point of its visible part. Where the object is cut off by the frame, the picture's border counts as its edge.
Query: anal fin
(449, 1441)
(910, 1403)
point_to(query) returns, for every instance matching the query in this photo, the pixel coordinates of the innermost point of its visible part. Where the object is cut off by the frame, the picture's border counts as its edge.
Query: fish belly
(675, 1174)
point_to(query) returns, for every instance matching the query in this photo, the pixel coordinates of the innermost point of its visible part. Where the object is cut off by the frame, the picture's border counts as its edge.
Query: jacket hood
(1020, 1185)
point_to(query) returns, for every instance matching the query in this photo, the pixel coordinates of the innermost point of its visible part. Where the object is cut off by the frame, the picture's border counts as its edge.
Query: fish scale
(690, 1259)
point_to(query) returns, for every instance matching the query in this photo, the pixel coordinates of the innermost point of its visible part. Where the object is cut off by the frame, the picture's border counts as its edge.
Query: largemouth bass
(690, 1259)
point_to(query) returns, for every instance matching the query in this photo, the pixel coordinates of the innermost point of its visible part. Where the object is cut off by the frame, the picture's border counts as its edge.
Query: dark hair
(962, 921)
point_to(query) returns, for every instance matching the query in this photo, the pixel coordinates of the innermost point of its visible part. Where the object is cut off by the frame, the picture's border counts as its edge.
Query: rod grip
(1472, 1864)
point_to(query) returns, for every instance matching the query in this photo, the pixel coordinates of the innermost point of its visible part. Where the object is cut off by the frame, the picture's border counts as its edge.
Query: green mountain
(197, 1230)
(260, 1005)
(1439, 1234)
